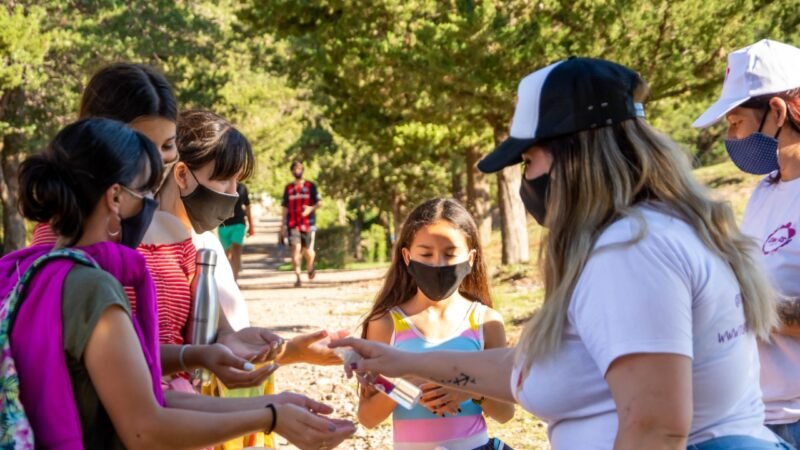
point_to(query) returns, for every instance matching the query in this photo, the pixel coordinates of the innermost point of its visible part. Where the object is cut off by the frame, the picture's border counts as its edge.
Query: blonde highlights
(598, 177)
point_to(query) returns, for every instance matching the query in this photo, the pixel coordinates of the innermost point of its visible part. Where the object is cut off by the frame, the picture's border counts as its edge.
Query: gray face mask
(207, 208)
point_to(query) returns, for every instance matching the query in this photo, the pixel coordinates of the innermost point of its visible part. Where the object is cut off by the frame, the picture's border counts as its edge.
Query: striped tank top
(419, 428)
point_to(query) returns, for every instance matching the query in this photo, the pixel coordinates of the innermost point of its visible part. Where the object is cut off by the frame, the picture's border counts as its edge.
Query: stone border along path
(334, 300)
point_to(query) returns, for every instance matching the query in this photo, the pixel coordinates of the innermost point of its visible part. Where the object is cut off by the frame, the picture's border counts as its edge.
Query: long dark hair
(125, 91)
(204, 137)
(62, 184)
(400, 286)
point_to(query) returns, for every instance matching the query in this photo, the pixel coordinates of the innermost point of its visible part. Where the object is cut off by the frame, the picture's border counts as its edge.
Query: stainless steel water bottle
(204, 314)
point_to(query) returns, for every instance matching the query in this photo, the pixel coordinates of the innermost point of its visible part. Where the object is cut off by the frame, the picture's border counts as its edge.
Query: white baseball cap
(766, 67)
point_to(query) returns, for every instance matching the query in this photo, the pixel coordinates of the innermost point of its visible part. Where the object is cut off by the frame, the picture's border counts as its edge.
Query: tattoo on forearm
(462, 380)
(789, 311)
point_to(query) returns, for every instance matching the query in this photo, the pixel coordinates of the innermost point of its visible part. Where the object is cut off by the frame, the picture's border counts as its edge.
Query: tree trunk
(459, 188)
(513, 219)
(341, 209)
(358, 227)
(13, 223)
(398, 212)
(11, 105)
(391, 238)
(479, 199)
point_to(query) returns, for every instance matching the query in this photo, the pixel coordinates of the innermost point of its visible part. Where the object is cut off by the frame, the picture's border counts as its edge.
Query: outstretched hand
(309, 431)
(376, 357)
(441, 400)
(312, 348)
(257, 345)
(232, 370)
(292, 398)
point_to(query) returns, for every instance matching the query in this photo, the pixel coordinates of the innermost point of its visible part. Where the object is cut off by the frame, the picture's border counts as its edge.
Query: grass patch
(524, 431)
(730, 184)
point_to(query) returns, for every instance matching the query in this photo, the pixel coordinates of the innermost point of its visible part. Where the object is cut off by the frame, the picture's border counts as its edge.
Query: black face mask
(438, 282)
(534, 196)
(134, 228)
(207, 208)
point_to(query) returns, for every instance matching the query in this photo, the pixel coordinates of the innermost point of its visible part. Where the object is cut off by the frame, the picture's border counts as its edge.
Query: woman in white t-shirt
(647, 335)
(761, 103)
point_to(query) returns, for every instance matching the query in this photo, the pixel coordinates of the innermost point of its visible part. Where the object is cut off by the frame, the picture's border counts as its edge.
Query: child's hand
(441, 400)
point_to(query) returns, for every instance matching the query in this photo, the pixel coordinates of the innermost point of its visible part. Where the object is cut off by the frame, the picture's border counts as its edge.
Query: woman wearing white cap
(646, 339)
(761, 102)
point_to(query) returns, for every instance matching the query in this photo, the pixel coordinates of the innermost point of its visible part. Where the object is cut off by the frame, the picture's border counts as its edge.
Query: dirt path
(334, 300)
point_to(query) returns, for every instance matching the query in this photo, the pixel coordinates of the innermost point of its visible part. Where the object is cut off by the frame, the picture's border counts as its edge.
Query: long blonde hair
(599, 176)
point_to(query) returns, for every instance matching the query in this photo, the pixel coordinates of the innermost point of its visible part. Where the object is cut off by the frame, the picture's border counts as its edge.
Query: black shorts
(305, 239)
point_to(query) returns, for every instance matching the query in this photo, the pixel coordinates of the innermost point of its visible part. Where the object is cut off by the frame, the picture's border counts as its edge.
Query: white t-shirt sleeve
(230, 296)
(633, 298)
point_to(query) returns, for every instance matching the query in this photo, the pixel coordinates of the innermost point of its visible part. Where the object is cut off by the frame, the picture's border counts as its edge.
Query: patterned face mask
(757, 153)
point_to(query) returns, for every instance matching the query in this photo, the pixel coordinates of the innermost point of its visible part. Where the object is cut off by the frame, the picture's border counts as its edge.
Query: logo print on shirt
(778, 239)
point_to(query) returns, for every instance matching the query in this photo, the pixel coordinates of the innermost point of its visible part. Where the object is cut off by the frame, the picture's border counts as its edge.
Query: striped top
(419, 428)
(172, 267)
(294, 199)
(43, 234)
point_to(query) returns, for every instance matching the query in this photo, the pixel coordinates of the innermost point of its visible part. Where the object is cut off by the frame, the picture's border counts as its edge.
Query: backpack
(15, 429)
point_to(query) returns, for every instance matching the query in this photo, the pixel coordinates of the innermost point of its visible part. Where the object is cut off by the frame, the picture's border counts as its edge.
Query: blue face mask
(757, 153)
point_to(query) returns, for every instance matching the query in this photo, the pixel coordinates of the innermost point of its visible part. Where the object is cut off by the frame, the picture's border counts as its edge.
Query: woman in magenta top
(79, 346)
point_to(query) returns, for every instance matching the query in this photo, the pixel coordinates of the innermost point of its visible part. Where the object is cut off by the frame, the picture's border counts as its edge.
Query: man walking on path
(300, 202)
(232, 231)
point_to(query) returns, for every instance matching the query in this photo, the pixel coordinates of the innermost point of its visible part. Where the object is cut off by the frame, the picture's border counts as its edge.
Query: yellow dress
(217, 389)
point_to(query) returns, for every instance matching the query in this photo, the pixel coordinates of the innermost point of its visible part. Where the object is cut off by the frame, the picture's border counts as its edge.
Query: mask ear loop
(764, 120)
(195, 179)
(195, 176)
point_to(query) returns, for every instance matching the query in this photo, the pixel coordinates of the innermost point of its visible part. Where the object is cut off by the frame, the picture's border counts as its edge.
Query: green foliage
(334, 247)
(397, 68)
(23, 46)
(380, 99)
(374, 243)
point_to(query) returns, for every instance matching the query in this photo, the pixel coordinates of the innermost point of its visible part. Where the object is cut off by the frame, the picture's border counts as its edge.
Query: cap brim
(508, 153)
(717, 111)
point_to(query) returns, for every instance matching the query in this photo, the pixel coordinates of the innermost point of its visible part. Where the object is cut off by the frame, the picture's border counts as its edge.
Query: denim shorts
(739, 443)
(789, 432)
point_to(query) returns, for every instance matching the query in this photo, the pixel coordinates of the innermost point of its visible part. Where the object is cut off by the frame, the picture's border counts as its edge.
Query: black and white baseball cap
(571, 95)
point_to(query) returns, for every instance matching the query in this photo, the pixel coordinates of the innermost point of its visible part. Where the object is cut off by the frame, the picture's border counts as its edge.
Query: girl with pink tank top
(436, 297)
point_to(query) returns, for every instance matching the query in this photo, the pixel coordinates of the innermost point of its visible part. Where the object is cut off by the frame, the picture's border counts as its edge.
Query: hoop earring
(114, 234)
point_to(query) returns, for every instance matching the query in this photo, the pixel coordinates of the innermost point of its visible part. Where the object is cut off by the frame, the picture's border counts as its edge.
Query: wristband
(274, 418)
(180, 358)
